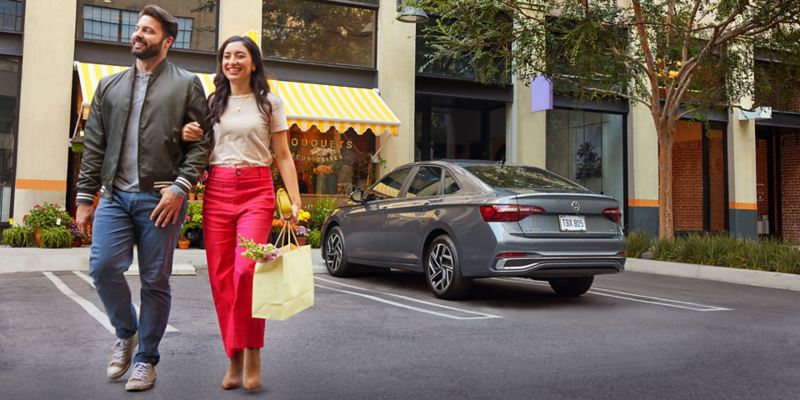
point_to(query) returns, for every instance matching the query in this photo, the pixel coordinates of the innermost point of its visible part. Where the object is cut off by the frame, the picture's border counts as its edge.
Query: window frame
(400, 192)
(173, 49)
(22, 22)
(15, 131)
(344, 3)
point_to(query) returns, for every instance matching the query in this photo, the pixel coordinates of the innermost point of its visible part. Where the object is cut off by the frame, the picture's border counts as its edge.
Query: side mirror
(357, 196)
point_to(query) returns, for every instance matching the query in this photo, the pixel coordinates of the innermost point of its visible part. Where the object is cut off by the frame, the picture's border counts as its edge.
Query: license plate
(572, 223)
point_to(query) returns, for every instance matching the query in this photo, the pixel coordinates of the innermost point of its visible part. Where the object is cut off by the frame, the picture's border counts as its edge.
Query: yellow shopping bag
(284, 286)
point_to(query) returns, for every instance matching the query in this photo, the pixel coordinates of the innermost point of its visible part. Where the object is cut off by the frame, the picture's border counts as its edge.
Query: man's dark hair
(168, 23)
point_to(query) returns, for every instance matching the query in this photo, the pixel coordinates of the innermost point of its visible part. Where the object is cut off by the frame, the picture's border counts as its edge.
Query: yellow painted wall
(238, 17)
(45, 104)
(528, 129)
(642, 157)
(396, 77)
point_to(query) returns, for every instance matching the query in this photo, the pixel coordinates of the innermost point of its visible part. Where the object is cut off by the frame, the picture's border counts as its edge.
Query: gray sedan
(459, 220)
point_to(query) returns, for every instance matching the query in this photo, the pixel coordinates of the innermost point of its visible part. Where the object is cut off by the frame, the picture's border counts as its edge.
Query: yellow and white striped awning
(90, 75)
(306, 104)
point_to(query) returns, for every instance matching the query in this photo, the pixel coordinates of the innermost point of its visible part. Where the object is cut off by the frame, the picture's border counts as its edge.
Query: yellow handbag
(283, 204)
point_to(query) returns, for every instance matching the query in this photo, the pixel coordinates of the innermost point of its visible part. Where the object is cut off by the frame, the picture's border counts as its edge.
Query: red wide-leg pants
(238, 201)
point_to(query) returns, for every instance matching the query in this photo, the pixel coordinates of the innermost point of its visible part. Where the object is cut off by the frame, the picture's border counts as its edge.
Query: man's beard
(149, 51)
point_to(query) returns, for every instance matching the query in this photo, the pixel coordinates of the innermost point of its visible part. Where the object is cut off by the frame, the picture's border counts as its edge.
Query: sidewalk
(187, 262)
(33, 259)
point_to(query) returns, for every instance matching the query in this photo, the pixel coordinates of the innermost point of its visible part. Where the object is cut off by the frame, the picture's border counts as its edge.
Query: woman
(240, 197)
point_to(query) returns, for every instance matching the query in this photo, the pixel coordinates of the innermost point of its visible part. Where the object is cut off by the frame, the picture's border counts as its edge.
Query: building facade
(732, 174)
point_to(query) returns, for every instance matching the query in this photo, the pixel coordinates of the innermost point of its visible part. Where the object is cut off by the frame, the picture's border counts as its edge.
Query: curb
(774, 280)
(185, 262)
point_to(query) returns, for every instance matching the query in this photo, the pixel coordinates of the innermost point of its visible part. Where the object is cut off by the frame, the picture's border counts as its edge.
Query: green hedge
(720, 250)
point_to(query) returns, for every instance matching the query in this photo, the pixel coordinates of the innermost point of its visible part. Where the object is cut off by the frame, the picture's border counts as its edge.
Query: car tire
(333, 253)
(443, 269)
(571, 287)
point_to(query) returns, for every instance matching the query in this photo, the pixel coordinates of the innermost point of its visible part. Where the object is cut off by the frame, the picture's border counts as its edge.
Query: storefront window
(469, 129)
(332, 163)
(587, 147)
(9, 87)
(114, 22)
(11, 15)
(324, 32)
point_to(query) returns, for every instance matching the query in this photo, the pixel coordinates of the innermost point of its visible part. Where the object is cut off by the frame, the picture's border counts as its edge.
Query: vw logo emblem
(576, 206)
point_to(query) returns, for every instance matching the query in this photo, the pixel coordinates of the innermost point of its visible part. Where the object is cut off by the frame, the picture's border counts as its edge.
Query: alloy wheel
(440, 267)
(335, 252)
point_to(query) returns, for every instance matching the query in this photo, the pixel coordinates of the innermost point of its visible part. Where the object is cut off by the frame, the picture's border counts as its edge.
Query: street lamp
(410, 14)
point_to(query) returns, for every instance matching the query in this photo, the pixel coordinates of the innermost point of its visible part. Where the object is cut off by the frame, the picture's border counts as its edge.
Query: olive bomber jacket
(174, 97)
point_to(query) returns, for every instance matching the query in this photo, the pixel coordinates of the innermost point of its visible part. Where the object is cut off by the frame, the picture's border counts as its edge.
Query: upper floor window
(197, 22)
(11, 15)
(327, 32)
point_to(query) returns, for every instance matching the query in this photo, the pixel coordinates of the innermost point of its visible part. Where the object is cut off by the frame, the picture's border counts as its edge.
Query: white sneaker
(142, 378)
(121, 359)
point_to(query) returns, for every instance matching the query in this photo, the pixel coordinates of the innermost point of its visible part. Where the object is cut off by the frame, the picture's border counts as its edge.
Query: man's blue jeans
(119, 223)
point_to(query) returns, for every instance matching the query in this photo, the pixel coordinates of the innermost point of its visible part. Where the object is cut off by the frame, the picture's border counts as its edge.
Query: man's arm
(196, 153)
(194, 161)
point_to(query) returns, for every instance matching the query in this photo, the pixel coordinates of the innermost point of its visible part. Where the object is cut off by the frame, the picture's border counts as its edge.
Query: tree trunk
(666, 228)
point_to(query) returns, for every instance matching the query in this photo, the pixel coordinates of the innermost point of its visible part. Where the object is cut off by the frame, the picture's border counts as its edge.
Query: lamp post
(411, 14)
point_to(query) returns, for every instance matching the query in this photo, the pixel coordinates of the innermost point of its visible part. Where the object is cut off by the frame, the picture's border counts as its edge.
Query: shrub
(314, 238)
(18, 236)
(47, 216)
(319, 211)
(193, 218)
(637, 243)
(56, 238)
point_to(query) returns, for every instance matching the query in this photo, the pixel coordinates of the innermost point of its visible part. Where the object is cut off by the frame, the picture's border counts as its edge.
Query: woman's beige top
(242, 137)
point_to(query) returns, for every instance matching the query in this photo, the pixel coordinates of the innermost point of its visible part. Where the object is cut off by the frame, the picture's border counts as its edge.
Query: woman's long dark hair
(218, 101)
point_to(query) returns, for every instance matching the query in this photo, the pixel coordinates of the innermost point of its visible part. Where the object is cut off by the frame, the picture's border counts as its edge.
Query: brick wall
(762, 176)
(790, 186)
(687, 177)
(716, 172)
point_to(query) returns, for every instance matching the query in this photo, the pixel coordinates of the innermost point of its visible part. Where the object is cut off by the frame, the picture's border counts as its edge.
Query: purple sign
(541, 94)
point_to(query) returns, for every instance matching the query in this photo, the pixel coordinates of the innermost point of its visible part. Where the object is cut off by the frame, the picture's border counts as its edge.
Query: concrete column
(528, 144)
(396, 77)
(742, 195)
(238, 17)
(45, 104)
(642, 171)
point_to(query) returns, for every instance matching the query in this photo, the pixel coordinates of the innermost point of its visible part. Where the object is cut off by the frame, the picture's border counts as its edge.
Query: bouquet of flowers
(258, 252)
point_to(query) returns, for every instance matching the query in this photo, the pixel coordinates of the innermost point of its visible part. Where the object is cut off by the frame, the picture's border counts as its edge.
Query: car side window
(426, 182)
(389, 187)
(450, 184)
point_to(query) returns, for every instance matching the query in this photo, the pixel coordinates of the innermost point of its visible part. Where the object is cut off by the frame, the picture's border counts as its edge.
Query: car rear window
(521, 177)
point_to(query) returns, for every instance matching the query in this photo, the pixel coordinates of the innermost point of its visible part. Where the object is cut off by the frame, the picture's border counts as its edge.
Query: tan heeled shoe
(233, 377)
(252, 369)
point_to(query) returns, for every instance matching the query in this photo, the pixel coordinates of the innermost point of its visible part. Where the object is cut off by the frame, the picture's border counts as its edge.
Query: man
(134, 156)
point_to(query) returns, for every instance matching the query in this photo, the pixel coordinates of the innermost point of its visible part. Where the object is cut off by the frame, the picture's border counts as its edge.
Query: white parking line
(88, 280)
(478, 315)
(631, 297)
(86, 304)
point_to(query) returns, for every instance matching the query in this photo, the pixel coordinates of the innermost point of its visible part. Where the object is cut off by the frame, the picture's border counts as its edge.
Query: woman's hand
(192, 132)
(295, 212)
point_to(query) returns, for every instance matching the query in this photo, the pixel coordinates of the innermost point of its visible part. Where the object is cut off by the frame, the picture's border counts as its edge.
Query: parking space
(384, 335)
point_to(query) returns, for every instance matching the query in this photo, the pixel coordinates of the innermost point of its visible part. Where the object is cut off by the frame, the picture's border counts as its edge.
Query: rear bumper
(557, 266)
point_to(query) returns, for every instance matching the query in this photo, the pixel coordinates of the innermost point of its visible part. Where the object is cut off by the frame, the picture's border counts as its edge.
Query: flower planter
(183, 244)
(77, 242)
(37, 236)
(192, 196)
(301, 241)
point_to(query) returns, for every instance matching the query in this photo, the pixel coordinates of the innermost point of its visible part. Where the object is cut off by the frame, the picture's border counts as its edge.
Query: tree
(680, 58)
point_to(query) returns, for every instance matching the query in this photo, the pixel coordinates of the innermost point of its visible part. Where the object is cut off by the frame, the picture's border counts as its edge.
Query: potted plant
(17, 236)
(301, 232)
(57, 237)
(45, 216)
(192, 226)
(200, 189)
(77, 236)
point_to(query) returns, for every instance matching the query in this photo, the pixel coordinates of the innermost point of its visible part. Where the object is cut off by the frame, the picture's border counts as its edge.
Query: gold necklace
(241, 100)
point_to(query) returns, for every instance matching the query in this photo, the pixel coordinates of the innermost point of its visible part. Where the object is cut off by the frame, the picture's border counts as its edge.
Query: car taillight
(614, 214)
(508, 213)
(511, 255)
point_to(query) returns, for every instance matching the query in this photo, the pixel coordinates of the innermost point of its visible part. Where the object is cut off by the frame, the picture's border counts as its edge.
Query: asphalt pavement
(384, 336)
